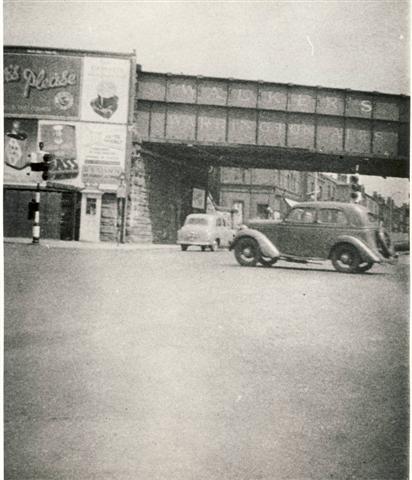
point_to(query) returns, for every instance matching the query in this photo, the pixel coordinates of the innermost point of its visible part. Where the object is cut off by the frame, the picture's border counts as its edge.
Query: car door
(297, 234)
(332, 222)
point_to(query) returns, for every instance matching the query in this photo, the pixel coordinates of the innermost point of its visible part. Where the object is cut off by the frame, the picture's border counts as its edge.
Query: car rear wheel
(247, 252)
(203, 248)
(183, 247)
(267, 261)
(365, 266)
(346, 259)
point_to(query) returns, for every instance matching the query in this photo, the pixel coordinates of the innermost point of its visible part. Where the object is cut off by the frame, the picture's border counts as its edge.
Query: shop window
(91, 206)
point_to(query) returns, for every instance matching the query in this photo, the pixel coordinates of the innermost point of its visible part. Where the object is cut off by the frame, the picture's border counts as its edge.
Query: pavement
(399, 239)
(53, 243)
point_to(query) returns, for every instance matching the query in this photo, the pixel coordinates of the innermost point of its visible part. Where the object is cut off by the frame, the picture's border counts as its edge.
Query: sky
(361, 45)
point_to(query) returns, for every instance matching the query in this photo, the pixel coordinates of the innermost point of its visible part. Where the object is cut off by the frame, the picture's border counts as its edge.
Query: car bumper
(193, 242)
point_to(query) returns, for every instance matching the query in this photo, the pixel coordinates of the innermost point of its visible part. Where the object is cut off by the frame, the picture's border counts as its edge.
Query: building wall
(257, 189)
(108, 219)
(327, 186)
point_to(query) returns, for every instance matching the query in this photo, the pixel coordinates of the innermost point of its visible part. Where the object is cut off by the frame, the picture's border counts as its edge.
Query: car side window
(301, 215)
(332, 216)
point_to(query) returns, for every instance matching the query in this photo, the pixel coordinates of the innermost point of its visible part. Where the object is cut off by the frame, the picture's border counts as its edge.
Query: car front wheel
(346, 259)
(247, 252)
(183, 247)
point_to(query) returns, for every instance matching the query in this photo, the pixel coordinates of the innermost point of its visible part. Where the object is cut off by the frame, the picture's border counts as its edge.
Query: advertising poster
(198, 198)
(59, 139)
(105, 90)
(20, 140)
(102, 149)
(41, 85)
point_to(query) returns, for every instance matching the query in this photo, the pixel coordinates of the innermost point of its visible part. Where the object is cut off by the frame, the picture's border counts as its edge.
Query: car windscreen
(372, 218)
(196, 221)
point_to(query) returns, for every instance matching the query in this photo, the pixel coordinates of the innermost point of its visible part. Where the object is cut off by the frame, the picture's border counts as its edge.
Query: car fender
(266, 246)
(367, 254)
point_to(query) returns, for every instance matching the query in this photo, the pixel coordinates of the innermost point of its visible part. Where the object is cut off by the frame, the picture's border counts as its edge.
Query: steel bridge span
(253, 124)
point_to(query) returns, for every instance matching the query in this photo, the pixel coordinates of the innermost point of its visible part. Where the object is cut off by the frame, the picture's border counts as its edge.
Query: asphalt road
(164, 365)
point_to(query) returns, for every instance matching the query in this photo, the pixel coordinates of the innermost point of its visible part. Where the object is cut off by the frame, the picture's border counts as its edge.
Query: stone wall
(160, 197)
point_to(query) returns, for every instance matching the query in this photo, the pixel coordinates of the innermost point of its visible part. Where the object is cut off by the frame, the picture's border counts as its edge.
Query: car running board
(299, 260)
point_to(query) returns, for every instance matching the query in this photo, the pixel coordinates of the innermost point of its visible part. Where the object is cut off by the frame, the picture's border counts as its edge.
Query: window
(196, 221)
(237, 207)
(332, 215)
(90, 206)
(301, 215)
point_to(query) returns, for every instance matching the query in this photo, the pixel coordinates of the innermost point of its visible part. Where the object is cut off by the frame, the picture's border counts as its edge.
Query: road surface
(164, 365)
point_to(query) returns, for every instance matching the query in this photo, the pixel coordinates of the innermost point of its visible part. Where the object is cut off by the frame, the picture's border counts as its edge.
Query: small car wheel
(203, 248)
(267, 261)
(364, 267)
(247, 252)
(214, 246)
(183, 247)
(345, 258)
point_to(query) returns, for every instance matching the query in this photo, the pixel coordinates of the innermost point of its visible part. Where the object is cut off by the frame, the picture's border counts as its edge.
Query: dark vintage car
(346, 233)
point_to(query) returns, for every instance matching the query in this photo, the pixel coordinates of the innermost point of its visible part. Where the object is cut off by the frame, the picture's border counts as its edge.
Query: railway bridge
(255, 124)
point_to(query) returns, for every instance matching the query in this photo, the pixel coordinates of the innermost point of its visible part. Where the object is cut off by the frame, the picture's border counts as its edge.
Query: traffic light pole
(36, 218)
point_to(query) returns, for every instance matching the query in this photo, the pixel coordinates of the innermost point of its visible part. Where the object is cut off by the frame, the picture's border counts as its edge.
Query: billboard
(77, 104)
(105, 90)
(20, 141)
(41, 85)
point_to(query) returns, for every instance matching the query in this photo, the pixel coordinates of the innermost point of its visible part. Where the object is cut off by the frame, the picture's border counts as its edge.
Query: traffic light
(355, 188)
(44, 165)
(47, 163)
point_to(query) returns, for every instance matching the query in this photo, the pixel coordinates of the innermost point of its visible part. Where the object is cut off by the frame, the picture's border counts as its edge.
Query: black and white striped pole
(44, 166)
(36, 216)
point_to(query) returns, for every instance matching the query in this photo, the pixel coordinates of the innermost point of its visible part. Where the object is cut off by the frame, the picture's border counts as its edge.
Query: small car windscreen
(196, 221)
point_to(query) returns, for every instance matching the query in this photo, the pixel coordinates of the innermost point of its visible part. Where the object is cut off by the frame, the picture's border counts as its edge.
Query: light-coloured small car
(205, 230)
(345, 233)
